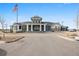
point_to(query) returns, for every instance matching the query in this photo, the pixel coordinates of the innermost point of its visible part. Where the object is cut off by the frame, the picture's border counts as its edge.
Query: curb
(14, 40)
(69, 39)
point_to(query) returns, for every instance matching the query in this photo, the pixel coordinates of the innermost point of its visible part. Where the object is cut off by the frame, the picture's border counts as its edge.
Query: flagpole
(17, 14)
(16, 7)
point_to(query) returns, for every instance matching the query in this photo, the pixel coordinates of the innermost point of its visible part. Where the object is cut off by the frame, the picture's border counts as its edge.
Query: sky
(51, 12)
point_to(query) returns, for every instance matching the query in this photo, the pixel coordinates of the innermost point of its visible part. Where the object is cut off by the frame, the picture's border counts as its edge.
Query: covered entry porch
(35, 27)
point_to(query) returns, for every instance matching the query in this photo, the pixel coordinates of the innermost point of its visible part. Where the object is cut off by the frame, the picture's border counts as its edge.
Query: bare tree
(2, 22)
(77, 22)
(6, 27)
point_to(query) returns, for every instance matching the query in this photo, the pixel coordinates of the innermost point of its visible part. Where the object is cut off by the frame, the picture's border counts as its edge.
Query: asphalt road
(41, 44)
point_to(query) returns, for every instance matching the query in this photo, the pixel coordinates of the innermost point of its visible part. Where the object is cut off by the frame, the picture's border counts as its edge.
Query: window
(39, 22)
(19, 27)
(36, 21)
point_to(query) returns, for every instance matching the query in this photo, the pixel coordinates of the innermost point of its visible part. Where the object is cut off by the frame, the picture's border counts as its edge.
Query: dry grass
(10, 37)
(70, 34)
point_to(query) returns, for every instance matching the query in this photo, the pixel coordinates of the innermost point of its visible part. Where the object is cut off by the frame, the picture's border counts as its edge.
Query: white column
(44, 27)
(17, 27)
(27, 28)
(40, 27)
(31, 27)
(14, 29)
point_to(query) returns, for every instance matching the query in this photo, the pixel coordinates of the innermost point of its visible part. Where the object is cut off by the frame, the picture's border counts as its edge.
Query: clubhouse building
(37, 25)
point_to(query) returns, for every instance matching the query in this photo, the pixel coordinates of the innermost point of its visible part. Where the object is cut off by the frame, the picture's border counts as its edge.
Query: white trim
(27, 27)
(31, 27)
(45, 27)
(40, 28)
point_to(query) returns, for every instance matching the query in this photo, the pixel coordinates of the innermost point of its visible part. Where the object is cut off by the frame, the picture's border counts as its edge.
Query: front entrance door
(36, 27)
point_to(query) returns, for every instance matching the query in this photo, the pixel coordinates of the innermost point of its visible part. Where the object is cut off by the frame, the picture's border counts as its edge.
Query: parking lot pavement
(42, 44)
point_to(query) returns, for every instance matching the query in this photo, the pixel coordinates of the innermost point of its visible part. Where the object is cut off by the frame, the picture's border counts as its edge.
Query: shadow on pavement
(3, 52)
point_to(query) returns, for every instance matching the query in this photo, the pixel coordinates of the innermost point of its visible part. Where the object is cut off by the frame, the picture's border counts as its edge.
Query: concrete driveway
(41, 44)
